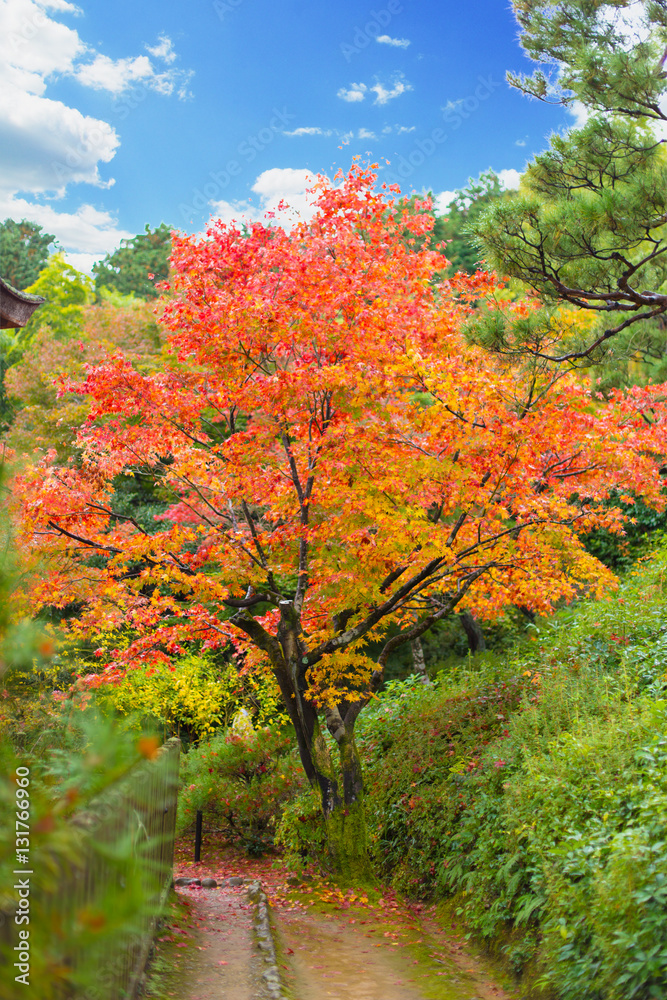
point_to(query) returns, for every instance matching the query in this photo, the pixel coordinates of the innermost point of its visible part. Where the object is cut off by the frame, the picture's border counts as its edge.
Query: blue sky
(114, 115)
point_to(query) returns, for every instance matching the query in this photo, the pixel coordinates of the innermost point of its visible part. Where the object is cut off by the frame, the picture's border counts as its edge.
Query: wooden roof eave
(16, 307)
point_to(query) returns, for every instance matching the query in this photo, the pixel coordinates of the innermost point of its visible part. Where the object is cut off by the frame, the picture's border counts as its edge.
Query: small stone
(209, 883)
(294, 880)
(182, 881)
(194, 881)
(235, 880)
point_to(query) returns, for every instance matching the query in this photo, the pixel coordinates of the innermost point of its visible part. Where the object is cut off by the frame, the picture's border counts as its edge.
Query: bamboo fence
(142, 808)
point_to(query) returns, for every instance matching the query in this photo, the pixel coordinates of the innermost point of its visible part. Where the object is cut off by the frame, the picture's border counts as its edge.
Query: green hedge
(531, 794)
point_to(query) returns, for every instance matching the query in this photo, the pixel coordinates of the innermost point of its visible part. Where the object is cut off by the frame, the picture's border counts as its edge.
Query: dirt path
(330, 943)
(223, 966)
(375, 956)
(218, 957)
(331, 959)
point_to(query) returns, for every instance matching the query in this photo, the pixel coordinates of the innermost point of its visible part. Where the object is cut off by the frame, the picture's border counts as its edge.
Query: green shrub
(644, 527)
(417, 746)
(530, 792)
(301, 831)
(242, 781)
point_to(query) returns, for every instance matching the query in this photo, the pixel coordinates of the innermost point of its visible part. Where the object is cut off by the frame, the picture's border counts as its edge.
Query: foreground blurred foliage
(66, 767)
(76, 786)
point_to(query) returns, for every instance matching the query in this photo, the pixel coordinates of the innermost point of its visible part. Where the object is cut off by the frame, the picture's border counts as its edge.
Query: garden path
(331, 943)
(218, 956)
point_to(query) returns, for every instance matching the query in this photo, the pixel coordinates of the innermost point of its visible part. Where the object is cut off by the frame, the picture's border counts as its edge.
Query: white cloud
(47, 145)
(402, 129)
(117, 75)
(287, 184)
(509, 179)
(87, 234)
(33, 46)
(354, 93)
(308, 130)
(113, 75)
(401, 43)
(62, 5)
(384, 94)
(164, 49)
(520, 142)
(579, 112)
(365, 133)
(83, 261)
(442, 201)
(357, 91)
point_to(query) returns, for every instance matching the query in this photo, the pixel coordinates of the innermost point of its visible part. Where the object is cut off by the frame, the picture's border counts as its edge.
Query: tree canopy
(450, 233)
(137, 264)
(66, 291)
(588, 225)
(24, 250)
(337, 461)
(454, 224)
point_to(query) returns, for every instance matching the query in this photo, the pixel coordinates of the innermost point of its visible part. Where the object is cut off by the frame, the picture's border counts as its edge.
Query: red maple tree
(343, 469)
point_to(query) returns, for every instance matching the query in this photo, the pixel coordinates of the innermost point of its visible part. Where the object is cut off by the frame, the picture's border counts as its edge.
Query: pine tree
(589, 224)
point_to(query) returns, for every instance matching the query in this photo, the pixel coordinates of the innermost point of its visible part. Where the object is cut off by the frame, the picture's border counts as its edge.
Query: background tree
(589, 223)
(137, 264)
(24, 250)
(66, 291)
(45, 419)
(343, 471)
(60, 318)
(453, 225)
(459, 247)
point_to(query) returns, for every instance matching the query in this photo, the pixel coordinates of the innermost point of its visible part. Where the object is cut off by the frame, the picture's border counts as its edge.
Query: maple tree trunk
(340, 786)
(347, 837)
(340, 783)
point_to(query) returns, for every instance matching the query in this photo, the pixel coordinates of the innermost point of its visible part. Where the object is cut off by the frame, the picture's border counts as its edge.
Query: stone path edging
(265, 940)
